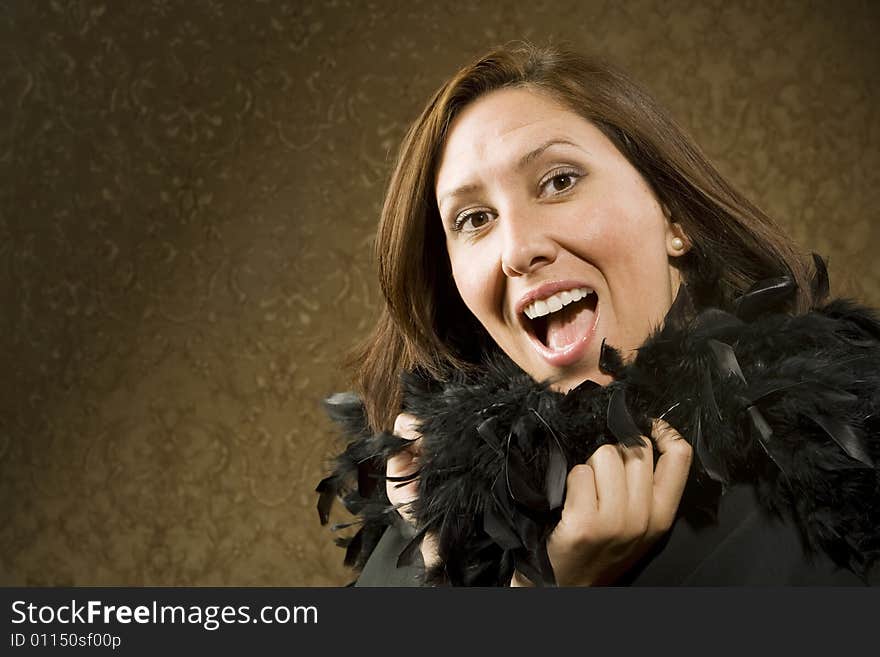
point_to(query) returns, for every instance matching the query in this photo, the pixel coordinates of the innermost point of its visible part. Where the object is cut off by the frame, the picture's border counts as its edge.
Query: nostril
(537, 261)
(525, 254)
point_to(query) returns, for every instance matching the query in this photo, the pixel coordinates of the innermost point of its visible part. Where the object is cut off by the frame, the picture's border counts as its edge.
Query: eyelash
(567, 172)
(458, 223)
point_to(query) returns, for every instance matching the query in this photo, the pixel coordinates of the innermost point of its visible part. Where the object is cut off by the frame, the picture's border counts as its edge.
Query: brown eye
(561, 182)
(472, 221)
(478, 219)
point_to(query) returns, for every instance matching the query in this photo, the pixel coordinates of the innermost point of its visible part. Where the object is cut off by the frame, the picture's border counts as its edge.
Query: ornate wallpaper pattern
(189, 193)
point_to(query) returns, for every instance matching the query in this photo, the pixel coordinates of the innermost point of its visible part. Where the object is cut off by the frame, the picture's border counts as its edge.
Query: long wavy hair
(424, 322)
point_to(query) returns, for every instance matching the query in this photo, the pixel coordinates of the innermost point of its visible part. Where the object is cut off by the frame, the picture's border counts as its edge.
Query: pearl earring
(677, 244)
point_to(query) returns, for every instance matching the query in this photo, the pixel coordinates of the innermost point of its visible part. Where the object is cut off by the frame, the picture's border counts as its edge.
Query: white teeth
(555, 302)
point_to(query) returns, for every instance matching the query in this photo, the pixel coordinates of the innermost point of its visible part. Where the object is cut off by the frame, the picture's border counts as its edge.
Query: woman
(544, 207)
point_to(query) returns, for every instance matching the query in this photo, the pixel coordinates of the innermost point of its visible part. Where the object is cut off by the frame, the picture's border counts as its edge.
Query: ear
(677, 242)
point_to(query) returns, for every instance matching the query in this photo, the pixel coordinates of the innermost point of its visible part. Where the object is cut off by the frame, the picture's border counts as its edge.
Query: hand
(402, 464)
(617, 505)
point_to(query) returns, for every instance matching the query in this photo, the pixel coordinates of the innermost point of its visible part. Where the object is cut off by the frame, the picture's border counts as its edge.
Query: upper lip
(546, 290)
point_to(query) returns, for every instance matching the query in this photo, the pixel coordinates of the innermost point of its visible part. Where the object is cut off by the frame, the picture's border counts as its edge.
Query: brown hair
(424, 322)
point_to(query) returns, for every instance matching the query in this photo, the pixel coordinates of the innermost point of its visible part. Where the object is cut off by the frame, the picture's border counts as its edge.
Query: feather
(353, 502)
(716, 320)
(367, 478)
(708, 399)
(682, 310)
(523, 431)
(610, 360)
(856, 322)
(712, 466)
(494, 469)
(517, 485)
(531, 571)
(762, 429)
(819, 283)
(353, 548)
(327, 492)
(527, 529)
(543, 559)
(557, 468)
(620, 422)
(776, 391)
(843, 434)
(765, 433)
(725, 358)
(403, 480)
(486, 431)
(346, 409)
(557, 473)
(833, 396)
(503, 504)
(864, 343)
(344, 525)
(573, 402)
(499, 529)
(766, 296)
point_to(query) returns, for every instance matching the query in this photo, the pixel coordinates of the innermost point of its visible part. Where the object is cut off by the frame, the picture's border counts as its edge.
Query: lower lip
(570, 354)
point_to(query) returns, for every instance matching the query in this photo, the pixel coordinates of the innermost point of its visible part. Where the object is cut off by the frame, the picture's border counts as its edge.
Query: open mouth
(562, 320)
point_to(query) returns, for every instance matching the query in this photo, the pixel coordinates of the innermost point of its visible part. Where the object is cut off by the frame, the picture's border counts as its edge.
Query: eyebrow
(523, 162)
(532, 155)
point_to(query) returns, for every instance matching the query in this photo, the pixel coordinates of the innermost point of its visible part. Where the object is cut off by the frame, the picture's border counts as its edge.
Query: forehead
(499, 127)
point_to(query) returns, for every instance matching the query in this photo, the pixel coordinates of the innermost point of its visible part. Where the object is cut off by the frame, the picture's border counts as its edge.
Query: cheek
(473, 280)
(645, 277)
(634, 227)
(610, 221)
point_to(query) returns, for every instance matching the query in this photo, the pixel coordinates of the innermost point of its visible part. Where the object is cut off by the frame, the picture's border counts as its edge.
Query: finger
(670, 475)
(400, 492)
(403, 464)
(400, 467)
(581, 500)
(611, 493)
(430, 550)
(638, 464)
(407, 426)
(580, 512)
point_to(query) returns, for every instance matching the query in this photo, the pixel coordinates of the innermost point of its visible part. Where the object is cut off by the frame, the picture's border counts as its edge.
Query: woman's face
(554, 239)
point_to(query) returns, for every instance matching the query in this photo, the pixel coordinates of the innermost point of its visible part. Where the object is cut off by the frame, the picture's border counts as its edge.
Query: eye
(471, 221)
(562, 182)
(559, 181)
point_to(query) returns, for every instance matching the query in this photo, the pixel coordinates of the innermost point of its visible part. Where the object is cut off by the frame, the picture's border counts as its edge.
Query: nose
(527, 244)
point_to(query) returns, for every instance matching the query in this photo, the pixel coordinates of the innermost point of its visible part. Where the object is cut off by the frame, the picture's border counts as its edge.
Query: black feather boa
(787, 403)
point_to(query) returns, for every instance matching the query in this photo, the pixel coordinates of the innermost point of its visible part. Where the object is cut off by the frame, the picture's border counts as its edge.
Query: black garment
(745, 547)
(782, 411)
(381, 568)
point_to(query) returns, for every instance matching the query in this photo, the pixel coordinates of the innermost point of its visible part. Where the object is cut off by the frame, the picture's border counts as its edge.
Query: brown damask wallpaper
(188, 195)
